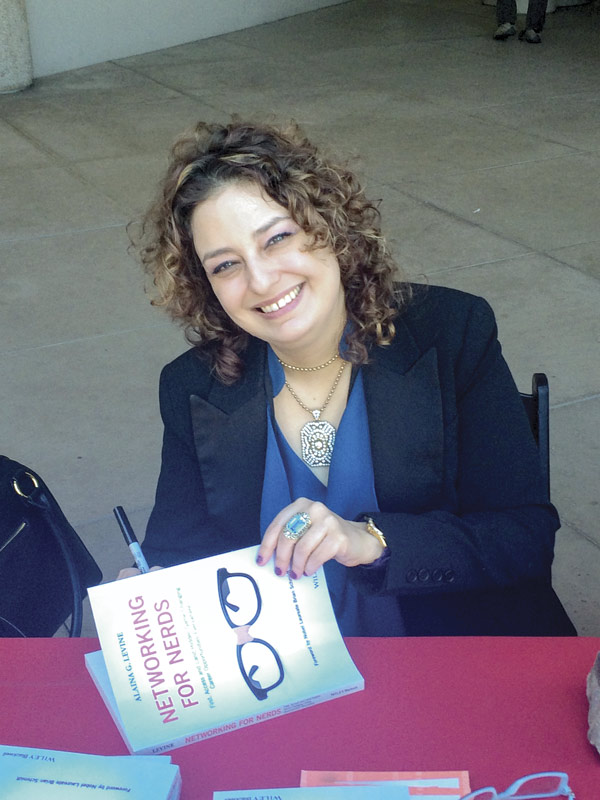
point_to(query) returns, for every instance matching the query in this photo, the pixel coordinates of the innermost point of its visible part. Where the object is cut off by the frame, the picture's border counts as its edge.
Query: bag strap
(34, 492)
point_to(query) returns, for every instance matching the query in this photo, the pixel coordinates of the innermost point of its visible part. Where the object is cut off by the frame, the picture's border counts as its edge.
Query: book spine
(288, 708)
(175, 792)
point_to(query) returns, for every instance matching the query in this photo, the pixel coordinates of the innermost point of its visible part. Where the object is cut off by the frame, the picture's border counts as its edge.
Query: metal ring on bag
(18, 489)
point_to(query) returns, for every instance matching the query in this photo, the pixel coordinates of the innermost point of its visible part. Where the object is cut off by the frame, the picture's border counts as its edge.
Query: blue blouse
(350, 491)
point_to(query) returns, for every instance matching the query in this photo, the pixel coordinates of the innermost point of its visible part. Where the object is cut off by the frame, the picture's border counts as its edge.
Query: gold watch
(374, 531)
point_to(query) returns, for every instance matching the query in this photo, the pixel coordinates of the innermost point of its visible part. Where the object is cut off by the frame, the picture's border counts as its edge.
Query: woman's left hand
(328, 537)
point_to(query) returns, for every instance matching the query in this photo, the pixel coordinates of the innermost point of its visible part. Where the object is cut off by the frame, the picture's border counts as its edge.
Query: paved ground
(486, 155)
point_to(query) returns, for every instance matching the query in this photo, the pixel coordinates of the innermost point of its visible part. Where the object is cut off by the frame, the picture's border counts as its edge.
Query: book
(28, 773)
(388, 791)
(438, 785)
(214, 645)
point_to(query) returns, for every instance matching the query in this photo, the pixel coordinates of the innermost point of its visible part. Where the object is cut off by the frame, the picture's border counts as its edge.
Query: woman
(347, 421)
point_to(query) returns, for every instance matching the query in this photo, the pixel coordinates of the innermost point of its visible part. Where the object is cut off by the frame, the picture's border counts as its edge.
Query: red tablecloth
(500, 708)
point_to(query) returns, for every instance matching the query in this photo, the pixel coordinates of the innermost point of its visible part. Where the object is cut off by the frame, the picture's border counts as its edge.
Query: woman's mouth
(282, 302)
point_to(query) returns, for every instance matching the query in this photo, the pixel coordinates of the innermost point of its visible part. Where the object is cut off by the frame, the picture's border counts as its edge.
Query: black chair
(537, 407)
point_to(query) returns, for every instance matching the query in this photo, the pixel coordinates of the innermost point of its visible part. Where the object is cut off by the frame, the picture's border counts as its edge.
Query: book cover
(28, 773)
(210, 646)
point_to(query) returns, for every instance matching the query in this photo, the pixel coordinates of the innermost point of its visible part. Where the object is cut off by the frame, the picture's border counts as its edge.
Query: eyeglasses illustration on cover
(241, 604)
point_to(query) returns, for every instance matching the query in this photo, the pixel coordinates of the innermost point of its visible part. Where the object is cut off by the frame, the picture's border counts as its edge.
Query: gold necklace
(318, 436)
(309, 369)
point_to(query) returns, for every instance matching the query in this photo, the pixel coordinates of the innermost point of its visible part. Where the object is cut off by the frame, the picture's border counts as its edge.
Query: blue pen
(131, 539)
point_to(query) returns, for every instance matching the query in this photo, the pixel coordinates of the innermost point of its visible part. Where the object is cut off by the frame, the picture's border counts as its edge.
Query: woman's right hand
(330, 537)
(129, 572)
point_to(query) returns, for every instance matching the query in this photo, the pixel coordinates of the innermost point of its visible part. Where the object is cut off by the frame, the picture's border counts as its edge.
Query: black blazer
(456, 472)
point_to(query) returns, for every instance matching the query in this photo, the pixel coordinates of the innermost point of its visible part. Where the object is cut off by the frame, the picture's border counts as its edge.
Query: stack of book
(27, 773)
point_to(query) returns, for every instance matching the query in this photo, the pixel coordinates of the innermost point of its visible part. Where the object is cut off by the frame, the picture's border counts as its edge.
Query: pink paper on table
(445, 785)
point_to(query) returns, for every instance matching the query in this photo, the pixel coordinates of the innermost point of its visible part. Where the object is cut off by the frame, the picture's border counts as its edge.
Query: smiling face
(264, 276)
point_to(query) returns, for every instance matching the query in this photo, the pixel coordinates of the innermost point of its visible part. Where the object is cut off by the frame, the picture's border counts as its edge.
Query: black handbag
(45, 569)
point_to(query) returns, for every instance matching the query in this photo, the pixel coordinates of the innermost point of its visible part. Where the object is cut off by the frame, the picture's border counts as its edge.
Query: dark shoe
(530, 36)
(504, 31)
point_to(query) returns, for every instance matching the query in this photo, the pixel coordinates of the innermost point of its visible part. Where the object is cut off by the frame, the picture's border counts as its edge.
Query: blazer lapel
(230, 434)
(404, 409)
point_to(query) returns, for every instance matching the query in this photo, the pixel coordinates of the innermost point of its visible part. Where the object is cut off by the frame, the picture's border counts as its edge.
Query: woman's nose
(262, 274)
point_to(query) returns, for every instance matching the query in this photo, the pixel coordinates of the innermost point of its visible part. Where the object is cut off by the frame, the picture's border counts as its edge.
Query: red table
(500, 708)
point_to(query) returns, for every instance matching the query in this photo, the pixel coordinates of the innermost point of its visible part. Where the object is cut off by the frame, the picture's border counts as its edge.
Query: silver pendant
(317, 439)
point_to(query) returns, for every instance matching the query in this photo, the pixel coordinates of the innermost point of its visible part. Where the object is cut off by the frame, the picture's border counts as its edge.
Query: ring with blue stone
(297, 526)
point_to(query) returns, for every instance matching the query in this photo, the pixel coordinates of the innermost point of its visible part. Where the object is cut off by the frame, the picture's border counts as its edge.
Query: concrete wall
(66, 34)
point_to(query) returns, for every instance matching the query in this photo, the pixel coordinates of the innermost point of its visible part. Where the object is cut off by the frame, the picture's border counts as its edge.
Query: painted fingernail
(278, 571)
(259, 559)
(293, 576)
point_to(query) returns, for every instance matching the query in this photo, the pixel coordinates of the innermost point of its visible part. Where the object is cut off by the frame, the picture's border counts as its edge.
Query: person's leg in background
(534, 24)
(506, 16)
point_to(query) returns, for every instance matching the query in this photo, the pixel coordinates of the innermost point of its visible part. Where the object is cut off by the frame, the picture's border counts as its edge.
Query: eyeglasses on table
(241, 604)
(538, 786)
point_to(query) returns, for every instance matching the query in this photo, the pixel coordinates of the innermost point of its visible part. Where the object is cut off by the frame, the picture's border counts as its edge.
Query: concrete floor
(486, 155)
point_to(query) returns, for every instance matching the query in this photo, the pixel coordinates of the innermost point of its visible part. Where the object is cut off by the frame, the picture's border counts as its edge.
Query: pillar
(16, 71)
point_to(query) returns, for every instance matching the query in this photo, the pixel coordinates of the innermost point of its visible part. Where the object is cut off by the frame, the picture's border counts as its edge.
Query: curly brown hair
(323, 198)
